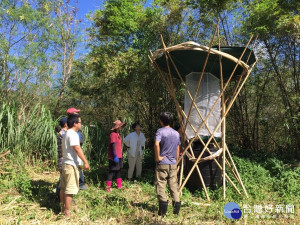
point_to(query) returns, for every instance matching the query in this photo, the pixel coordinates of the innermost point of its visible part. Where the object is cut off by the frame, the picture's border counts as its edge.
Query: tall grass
(96, 142)
(28, 133)
(31, 134)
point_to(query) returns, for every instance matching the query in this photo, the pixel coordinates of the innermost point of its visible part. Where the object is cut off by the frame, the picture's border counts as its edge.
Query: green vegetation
(42, 62)
(44, 71)
(27, 196)
(28, 133)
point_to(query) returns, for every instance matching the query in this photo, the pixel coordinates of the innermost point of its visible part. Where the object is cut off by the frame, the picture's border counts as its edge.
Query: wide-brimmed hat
(72, 110)
(118, 124)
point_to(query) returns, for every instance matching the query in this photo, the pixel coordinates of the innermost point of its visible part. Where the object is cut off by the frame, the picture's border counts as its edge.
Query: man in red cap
(81, 178)
(73, 110)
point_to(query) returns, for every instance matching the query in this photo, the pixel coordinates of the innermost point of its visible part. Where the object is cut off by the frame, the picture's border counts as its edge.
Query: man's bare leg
(68, 201)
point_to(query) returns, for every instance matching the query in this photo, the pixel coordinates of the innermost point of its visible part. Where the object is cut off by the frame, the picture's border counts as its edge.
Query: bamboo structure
(169, 71)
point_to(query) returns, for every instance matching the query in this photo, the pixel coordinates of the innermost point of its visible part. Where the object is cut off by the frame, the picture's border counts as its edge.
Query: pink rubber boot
(119, 183)
(108, 185)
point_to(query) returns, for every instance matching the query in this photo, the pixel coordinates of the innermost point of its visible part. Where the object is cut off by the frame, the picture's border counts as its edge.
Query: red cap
(72, 110)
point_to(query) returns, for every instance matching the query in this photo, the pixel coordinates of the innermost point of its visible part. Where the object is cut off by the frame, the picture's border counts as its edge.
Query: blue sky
(85, 7)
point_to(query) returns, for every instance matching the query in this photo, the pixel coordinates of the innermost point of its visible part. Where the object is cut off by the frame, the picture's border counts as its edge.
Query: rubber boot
(108, 185)
(119, 183)
(176, 207)
(163, 207)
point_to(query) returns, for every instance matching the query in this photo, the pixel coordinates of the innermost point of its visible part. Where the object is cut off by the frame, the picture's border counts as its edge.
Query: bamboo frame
(223, 124)
(226, 105)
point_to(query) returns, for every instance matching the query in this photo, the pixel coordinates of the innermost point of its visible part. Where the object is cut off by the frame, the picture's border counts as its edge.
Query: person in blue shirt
(167, 143)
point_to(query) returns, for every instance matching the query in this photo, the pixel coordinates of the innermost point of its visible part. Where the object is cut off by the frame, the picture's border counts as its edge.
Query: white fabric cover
(206, 97)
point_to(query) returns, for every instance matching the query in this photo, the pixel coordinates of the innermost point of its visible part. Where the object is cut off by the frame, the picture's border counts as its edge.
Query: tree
(65, 37)
(117, 72)
(278, 24)
(23, 51)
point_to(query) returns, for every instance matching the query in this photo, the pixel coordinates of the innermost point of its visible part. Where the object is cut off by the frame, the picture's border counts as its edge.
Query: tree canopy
(40, 62)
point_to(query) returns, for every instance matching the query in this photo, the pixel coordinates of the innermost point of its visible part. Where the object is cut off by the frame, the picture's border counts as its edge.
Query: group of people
(135, 141)
(61, 129)
(72, 160)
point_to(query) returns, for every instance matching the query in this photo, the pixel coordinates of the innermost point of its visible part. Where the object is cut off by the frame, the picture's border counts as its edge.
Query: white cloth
(206, 97)
(135, 162)
(70, 139)
(134, 142)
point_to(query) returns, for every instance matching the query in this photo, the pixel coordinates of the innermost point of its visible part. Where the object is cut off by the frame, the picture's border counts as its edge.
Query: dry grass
(135, 204)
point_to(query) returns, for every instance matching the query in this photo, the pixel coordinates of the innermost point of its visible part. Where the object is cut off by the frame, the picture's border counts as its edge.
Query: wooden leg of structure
(222, 119)
(239, 178)
(202, 152)
(170, 86)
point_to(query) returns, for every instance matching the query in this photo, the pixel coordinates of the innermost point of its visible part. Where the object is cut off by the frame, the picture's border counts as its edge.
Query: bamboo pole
(223, 123)
(223, 145)
(180, 77)
(200, 176)
(207, 149)
(178, 106)
(216, 161)
(188, 120)
(181, 174)
(167, 86)
(222, 92)
(190, 96)
(238, 61)
(202, 73)
(226, 111)
(202, 182)
(198, 47)
(176, 102)
(240, 180)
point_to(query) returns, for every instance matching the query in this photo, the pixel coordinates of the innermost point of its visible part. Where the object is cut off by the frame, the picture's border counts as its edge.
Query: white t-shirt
(70, 139)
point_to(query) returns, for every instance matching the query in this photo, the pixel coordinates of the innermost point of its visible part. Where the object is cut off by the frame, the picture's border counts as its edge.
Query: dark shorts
(115, 166)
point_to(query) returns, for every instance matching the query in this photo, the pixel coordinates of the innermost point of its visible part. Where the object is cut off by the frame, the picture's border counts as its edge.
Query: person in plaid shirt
(64, 126)
(61, 132)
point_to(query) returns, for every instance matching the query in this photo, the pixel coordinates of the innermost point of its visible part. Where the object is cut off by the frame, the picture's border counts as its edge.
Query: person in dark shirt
(61, 130)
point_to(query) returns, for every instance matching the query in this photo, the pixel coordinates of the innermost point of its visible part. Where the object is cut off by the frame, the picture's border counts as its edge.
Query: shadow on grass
(42, 192)
(116, 200)
(98, 175)
(144, 206)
